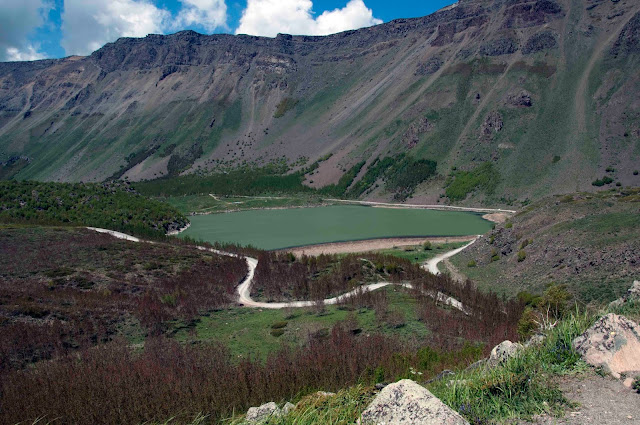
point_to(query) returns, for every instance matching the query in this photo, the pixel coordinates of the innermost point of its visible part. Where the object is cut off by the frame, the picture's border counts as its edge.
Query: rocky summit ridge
(545, 90)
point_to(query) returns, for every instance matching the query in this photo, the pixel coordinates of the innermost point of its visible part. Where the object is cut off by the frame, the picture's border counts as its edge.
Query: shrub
(285, 106)
(426, 246)
(528, 323)
(484, 177)
(521, 256)
(395, 319)
(277, 332)
(556, 298)
(378, 375)
(525, 243)
(509, 225)
(494, 255)
(528, 299)
(635, 173)
(279, 325)
(340, 188)
(110, 205)
(471, 263)
(636, 384)
(603, 181)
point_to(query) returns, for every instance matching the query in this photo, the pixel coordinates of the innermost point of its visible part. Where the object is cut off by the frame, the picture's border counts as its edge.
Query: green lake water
(275, 229)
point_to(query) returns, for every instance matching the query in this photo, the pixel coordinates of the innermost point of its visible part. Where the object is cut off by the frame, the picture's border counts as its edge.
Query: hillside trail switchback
(244, 288)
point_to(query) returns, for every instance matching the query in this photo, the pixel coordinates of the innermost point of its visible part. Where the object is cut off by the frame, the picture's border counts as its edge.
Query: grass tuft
(522, 386)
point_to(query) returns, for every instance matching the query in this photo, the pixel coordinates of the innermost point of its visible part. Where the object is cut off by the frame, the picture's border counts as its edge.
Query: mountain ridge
(544, 90)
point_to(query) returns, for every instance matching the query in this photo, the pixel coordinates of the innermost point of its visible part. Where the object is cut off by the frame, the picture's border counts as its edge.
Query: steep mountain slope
(546, 90)
(588, 242)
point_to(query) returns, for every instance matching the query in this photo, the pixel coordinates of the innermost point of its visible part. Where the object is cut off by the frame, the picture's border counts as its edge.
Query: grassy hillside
(160, 320)
(587, 241)
(512, 392)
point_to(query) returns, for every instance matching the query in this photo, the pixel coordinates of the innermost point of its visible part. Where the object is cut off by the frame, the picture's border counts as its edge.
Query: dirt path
(426, 207)
(601, 400)
(432, 264)
(353, 247)
(454, 272)
(244, 289)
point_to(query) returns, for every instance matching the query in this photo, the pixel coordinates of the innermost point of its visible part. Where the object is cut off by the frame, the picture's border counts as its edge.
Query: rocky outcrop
(499, 47)
(406, 402)
(503, 352)
(412, 136)
(537, 339)
(262, 414)
(429, 67)
(633, 294)
(492, 124)
(612, 343)
(521, 99)
(539, 42)
(287, 408)
(629, 39)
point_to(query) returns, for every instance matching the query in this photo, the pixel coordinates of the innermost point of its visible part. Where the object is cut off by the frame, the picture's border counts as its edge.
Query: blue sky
(37, 29)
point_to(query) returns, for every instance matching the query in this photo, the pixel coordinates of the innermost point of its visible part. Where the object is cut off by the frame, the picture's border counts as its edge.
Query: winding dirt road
(244, 289)
(432, 264)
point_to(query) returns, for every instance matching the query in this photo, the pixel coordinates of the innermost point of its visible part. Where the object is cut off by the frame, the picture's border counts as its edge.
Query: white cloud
(210, 14)
(18, 19)
(88, 24)
(270, 17)
(29, 53)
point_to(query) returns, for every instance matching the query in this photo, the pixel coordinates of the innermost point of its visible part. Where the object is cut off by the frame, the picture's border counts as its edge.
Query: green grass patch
(401, 174)
(111, 205)
(417, 254)
(285, 106)
(601, 227)
(241, 181)
(522, 386)
(485, 177)
(248, 332)
(343, 408)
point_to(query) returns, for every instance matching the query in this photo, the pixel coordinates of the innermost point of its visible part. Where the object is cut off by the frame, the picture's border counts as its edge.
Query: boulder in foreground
(406, 402)
(612, 343)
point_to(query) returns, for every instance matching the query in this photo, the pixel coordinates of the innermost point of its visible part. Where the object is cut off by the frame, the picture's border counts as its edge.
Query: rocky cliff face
(143, 108)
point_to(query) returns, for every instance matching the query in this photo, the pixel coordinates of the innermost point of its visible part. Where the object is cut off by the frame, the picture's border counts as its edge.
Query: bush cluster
(110, 205)
(484, 177)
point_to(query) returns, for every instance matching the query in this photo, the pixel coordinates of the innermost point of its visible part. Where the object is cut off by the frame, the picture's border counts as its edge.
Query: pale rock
(612, 343)
(633, 294)
(287, 408)
(256, 415)
(325, 394)
(503, 352)
(534, 340)
(406, 402)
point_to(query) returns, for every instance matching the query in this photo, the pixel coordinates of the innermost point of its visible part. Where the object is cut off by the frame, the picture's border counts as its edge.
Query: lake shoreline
(342, 226)
(366, 245)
